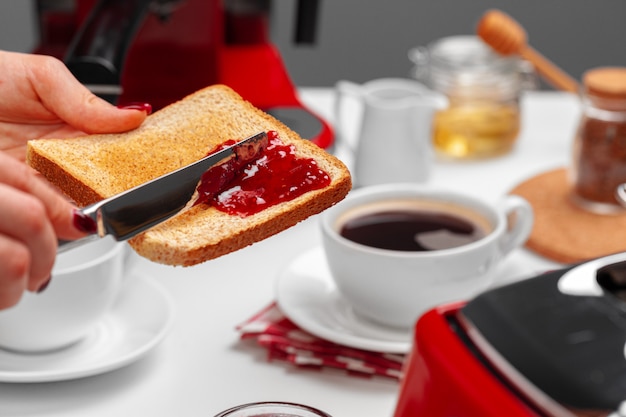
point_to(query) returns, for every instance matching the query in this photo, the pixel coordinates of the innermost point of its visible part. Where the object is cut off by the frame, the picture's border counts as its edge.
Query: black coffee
(411, 230)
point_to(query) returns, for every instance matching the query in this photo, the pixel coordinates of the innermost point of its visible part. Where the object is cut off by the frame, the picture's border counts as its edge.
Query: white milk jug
(393, 140)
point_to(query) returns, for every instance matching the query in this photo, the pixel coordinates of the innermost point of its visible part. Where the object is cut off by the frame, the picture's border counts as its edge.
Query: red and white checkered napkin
(285, 341)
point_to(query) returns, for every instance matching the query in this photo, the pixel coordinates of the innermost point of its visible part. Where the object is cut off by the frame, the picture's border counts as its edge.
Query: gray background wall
(365, 39)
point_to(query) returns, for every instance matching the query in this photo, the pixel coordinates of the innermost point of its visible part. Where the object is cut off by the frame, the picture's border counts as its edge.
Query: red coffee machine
(553, 345)
(158, 51)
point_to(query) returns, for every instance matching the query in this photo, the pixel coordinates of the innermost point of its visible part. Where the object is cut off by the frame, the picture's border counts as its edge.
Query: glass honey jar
(483, 115)
(598, 166)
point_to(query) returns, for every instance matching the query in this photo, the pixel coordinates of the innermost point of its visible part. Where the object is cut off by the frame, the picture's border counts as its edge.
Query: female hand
(40, 98)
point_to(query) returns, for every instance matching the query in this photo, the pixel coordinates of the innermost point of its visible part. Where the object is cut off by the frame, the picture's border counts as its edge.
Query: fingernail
(44, 285)
(83, 222)
(147, 107)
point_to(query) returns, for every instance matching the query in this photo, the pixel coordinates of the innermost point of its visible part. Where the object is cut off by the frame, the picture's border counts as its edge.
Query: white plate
(307, 295)
(138, 322)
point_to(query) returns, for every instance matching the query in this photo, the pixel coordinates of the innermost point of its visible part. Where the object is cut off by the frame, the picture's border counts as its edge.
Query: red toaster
(552, 345)
(158, 51)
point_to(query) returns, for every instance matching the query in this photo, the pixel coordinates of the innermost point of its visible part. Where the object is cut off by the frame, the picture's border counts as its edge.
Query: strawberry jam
(278, 175)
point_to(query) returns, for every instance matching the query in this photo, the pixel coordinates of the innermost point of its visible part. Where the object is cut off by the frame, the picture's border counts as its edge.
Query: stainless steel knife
(136, 210)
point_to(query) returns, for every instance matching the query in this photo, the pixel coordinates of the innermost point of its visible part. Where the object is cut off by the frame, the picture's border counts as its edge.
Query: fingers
(73, 103)
(57, 210)
(14, 271)
(29, 241)
(32, 215)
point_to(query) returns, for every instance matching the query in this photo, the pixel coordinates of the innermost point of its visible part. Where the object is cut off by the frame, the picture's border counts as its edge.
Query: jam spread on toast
(244, 188)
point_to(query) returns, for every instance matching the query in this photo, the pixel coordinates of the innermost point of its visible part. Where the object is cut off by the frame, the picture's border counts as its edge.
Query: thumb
(80, 108)
(100, 116)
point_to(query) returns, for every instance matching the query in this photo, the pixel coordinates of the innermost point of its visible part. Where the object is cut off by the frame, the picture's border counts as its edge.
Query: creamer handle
(343, 90)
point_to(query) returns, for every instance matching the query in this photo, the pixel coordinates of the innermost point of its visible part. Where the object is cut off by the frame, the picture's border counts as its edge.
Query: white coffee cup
(393, 287)
(85, 282)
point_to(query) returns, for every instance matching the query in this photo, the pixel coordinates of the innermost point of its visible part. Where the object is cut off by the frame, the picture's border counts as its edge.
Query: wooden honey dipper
(507, 37)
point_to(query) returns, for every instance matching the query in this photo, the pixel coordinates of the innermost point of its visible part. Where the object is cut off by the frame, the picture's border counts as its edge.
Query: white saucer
(307, 295)
(137, 323)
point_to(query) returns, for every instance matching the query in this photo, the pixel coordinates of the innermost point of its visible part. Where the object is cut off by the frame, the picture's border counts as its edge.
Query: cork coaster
(562, 231)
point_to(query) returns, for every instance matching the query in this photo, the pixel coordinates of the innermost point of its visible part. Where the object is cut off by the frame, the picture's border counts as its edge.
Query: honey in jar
(483, 90)
(599, 154)
(476, 130)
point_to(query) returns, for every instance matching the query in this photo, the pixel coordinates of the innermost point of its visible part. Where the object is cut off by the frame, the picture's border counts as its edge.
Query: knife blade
(136, 210)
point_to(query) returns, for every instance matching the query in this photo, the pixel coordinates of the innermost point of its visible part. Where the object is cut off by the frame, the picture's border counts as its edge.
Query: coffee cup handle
(519, 216)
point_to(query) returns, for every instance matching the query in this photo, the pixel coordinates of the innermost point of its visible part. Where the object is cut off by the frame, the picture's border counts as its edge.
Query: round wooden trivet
(564, 232)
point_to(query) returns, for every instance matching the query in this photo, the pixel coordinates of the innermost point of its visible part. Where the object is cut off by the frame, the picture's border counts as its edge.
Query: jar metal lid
(465, 65)
(469, 54)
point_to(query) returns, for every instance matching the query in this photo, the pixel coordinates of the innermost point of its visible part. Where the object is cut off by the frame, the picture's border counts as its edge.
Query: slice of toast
(90, 168)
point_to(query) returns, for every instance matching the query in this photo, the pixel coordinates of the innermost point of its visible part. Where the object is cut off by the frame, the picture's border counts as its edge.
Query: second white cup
(85, 283)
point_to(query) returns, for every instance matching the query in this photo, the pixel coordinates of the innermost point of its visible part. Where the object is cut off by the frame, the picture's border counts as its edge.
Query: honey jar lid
(608, 82)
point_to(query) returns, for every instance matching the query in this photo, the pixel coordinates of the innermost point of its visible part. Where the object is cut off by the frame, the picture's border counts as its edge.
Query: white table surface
(201, 367)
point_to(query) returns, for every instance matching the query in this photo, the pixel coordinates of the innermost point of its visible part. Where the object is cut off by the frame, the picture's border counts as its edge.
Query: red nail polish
(146, 107)
(83, 222)
(44, 285)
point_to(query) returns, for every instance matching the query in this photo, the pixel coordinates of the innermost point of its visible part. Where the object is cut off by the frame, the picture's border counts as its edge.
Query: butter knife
(136, 210)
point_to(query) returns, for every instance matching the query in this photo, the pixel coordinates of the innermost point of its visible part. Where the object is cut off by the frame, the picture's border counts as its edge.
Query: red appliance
(158, 51)
(553, 345)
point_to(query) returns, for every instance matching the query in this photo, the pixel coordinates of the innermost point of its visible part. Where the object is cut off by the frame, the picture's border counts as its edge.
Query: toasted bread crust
(94, 167)
(71, 186)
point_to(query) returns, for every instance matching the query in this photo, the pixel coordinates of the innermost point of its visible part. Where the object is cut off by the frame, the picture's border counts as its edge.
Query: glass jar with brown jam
(599, 152)
(483, 90)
